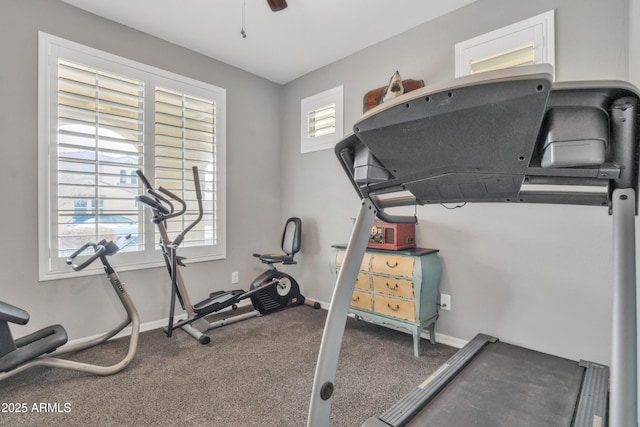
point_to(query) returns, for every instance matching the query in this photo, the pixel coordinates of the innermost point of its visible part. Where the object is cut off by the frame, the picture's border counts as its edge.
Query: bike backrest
(292, 236)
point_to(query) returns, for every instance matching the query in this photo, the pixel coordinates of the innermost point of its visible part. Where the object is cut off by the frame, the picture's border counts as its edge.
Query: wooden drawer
(361, 300)
(396, 289)
(394, 307)
(393, 265)
(366, 260)
(393, 286)
(363, 281)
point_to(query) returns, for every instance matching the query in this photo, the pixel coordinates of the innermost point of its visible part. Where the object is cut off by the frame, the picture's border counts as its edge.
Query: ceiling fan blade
(277, 5)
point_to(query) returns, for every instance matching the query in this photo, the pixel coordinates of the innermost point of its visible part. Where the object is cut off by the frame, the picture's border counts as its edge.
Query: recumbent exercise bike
(270, 291)
(39, 348)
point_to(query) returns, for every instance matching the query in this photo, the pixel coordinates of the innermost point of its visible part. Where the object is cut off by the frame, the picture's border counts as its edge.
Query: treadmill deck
(507, 385)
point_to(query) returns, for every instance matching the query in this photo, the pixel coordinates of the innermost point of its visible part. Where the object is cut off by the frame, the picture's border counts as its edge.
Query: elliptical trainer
(269, 292)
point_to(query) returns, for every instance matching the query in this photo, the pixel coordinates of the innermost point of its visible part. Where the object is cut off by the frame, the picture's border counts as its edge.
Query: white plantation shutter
(524, 55)
(101, 118)
(321, 121)
(185, 137)
(99, 145)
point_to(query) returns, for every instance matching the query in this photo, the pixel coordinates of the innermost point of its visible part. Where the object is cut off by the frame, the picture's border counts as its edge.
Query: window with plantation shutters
(101, 118)
(321, 120)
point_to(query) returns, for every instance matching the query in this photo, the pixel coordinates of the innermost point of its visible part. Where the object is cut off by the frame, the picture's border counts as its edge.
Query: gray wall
(634, 42)
(533, 275)
(85, 306)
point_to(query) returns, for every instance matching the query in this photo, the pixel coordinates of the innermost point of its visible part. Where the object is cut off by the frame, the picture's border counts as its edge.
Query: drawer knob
(393, 288)
(356, 299)
(396, 308)
(395, 264)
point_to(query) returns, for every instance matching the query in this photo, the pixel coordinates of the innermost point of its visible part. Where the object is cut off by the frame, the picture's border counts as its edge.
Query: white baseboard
(161, 323)
(448, 340)
(440, 338)
(156, 324)
(149, 326)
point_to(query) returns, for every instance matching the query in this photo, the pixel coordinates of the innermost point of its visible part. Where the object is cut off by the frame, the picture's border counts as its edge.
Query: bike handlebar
(99, 250)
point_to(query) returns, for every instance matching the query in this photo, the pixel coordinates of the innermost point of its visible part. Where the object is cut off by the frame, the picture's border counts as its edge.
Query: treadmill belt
(506, 385)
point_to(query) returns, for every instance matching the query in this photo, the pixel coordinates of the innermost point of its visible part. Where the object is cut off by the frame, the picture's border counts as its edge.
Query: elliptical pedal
(217, 301)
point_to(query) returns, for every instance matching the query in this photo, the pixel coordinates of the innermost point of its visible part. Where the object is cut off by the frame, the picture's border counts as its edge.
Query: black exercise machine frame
(483, 138)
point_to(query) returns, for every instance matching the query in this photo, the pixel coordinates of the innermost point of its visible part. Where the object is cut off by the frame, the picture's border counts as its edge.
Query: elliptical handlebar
(154, 204)
(159, 204)
(144, 180)
(173, 196)
(196, 182)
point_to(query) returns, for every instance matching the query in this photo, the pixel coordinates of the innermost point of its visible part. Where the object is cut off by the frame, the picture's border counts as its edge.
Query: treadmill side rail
(592, 405)
(406, 408)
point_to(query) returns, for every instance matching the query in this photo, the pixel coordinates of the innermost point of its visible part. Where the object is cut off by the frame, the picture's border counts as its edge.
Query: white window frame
(52, 47)
(538, 30)
(324, 99)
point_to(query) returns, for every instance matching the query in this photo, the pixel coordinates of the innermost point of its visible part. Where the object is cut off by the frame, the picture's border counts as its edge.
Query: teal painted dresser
(397, 289)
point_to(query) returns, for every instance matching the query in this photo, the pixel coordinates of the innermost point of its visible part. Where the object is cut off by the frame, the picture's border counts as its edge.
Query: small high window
(526, 42)
(321, 120)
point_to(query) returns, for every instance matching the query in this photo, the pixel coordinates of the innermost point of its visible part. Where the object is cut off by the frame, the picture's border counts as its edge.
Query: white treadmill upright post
(323, 383)
(623, 402)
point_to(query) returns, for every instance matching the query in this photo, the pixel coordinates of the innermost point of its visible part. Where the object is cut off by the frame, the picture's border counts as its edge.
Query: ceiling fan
(277, 5)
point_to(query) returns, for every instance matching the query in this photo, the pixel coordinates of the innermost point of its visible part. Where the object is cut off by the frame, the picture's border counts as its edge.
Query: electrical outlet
(445, 302)
(234, 278)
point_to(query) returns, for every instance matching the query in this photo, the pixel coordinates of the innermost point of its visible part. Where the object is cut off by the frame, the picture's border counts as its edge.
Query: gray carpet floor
(258, 372)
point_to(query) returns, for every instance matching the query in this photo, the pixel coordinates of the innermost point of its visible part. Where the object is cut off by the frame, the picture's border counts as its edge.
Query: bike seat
(276, 258)
(290, 244)
(14, 353)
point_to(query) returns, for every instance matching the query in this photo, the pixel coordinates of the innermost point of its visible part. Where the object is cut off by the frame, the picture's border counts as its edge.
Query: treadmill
(508, 136)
